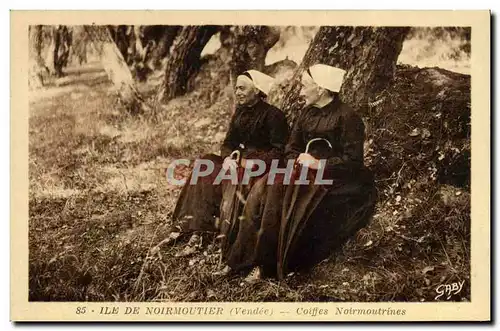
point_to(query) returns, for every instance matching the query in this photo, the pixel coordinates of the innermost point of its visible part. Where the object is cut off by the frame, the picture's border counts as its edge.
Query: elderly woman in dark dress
(257, 131)
(292, 227)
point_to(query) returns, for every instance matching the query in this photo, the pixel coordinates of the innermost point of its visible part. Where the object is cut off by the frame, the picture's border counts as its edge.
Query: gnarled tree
(59, 49)
(36, 64)
(184, 60)
(160, 38)
(152, 44)
(115, 66)
(122, 35)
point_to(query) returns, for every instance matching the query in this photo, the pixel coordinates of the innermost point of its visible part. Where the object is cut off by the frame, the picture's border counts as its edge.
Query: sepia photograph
(249, 163)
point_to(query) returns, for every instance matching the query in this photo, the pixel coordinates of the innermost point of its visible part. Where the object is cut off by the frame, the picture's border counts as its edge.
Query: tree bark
(61, 55)
(250, 46)
(184, 60)
(37, 66)
(125, 38)
(59, 50)
(79, 45)
(152, 46)
(52, 50)
(368, 54)
(163, 43)
(115, 66)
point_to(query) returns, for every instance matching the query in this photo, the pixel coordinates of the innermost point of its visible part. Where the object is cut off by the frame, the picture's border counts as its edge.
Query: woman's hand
(308, 160)
(229, 163)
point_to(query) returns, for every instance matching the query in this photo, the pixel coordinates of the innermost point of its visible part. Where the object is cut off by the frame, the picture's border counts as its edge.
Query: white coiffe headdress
(327, 77)
(261, 81)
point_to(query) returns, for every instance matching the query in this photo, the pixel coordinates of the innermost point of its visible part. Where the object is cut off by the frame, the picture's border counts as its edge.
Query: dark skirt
(324, 219)
(288, 227)
(254, 238)
(198, 205)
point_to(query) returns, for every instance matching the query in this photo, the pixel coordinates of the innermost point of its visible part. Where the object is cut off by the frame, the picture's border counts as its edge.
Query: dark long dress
(260, 132)
(290, 227)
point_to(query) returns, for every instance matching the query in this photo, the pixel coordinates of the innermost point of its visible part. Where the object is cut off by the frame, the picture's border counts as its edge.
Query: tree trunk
(368, 54)
(52, 50)
(250, 47)
(79, 45)
(152, 46)
(121, 35)
(61, 57)
(59, 50)
(163, 44)
(37, 66)
(184, 60)
(116, 68)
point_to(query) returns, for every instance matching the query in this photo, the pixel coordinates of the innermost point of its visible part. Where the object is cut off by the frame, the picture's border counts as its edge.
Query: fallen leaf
(415, 132)
(426, 133)
(211, 294)
(175, 235)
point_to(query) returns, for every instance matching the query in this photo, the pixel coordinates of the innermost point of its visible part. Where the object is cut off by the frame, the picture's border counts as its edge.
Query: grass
(99, 201)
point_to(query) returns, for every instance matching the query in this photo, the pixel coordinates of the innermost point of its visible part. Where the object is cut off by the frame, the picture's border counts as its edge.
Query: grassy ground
(99, 201)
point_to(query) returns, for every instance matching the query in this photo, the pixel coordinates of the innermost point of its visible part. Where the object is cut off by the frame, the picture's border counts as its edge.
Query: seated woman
(258, 131)
(289, 226)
